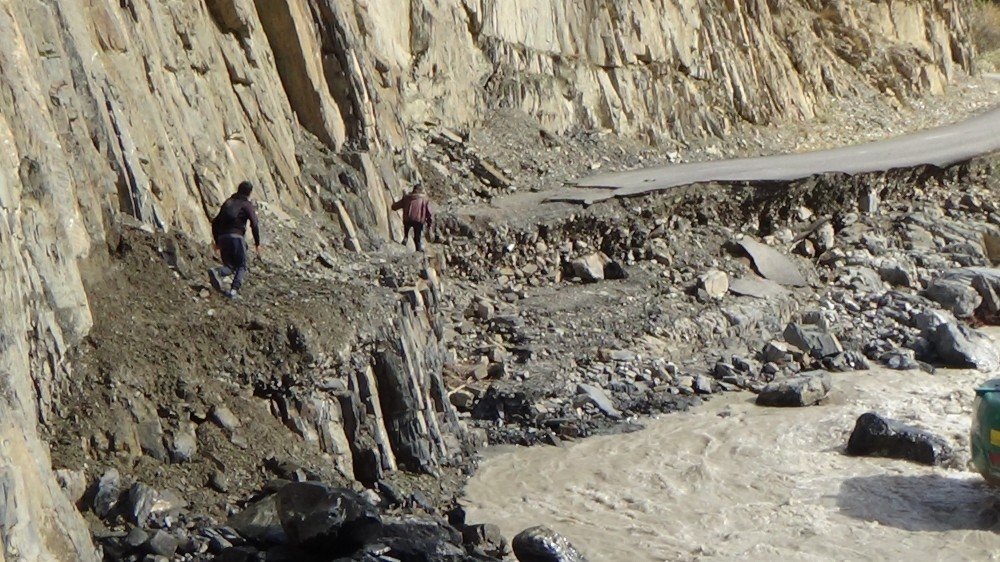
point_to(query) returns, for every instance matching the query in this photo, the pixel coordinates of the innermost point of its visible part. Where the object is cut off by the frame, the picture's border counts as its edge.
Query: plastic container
(985, 435)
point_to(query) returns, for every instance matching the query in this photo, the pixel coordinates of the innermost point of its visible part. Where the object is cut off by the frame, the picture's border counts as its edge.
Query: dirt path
(941, 147)
(543, 174)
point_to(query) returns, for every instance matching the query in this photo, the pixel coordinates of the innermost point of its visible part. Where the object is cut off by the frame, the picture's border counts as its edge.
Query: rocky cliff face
(667, 69)
(155, 110)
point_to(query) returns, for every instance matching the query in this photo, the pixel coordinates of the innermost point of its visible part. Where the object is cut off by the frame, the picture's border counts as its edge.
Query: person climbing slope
(229, 231)
(416, 208)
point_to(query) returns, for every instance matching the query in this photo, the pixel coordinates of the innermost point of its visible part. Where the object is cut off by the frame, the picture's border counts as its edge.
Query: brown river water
(735, 481)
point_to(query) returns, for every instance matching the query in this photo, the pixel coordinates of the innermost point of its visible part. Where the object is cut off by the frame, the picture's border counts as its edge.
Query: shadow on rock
(922, 503)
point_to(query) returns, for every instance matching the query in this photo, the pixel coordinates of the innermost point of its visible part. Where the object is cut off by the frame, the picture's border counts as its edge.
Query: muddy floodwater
(734, 481)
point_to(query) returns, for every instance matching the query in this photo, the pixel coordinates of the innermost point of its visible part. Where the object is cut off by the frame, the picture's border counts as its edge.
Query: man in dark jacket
(229, 231)
(416, 208)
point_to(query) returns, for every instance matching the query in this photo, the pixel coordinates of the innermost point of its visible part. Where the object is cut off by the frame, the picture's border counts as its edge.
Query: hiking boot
(215, 279)
(232, 294)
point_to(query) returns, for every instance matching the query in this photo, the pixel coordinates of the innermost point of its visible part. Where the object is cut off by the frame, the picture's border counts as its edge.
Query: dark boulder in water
(806, 389)
(541, 544)
(875, 436)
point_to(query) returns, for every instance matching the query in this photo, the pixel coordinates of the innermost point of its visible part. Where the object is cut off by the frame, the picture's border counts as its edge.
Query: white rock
(715, 283)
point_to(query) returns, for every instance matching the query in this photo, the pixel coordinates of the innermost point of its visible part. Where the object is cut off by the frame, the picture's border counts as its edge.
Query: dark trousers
(234, 259)
(418, 231)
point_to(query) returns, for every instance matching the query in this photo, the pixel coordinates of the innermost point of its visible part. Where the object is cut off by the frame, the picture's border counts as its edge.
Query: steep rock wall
(665, 68)
(155, 109)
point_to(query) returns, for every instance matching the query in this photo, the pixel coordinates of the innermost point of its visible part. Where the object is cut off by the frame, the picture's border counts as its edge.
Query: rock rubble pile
(794, 281)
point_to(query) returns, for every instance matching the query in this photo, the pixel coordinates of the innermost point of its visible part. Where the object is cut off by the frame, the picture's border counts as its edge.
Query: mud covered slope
(180, 387)
(154, 110)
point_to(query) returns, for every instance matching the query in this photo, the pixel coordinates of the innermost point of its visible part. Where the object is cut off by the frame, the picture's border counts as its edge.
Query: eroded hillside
(153, 111)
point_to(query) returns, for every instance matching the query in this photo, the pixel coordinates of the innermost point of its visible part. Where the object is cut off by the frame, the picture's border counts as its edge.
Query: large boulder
(815, 341)
(806, 389)
(775, 352)
(614, 270)
(861, 279)
(260, 522)
(322, 519)
(161, 543)
(107, 492)
(875, 436)
(960, 346)
(504, 403)
(955, 295)
(846, 362)
(900, 359)
(73, 484)
(184, 444)
(138, 503)
(898, 274)
(485, 539)
(758, 287)
(973, 290)
(597, 267)
(772, 265)
(988, 288)
(587, 393)
(590, 268)
(541, 544)
(422, 538)
(929, 319)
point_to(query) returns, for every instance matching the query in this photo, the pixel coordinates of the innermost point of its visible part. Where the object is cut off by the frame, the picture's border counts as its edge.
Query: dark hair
(244, 189)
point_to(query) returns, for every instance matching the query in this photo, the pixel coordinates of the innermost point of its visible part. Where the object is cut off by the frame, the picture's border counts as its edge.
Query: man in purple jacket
(229, 231)
(416, 208)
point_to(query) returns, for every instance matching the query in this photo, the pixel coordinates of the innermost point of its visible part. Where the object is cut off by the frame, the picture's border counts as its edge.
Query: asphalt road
(940, 147)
